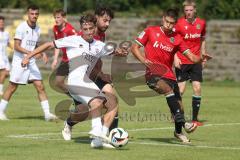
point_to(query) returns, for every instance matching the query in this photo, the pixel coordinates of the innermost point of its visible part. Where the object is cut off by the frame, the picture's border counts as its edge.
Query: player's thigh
(63, 69)
(38, 84)
(159, 85)
(18, 74)
(35, 73)
(196, 72)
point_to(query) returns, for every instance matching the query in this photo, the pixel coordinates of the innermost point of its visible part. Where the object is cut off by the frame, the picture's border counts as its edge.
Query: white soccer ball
(118, 137)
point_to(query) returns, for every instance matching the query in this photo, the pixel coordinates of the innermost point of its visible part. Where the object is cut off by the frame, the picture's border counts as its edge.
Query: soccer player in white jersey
(4, 63)
(83, 53)
(25, 41)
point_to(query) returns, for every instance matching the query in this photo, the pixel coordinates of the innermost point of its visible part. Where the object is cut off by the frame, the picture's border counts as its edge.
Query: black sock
(114, 123)
(196, 101)
(176, 110)
(70, 122)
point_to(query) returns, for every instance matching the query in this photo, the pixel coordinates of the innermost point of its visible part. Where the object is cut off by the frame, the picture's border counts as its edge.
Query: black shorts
(191, 72)
(152, 82)
(63, 69)
(100, 83)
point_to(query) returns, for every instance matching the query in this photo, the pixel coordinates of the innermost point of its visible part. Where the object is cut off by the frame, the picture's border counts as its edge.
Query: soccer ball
(118, 137)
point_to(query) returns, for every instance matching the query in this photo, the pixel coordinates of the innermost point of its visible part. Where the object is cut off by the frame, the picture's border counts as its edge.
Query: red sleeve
(143, 37)
(71, 31)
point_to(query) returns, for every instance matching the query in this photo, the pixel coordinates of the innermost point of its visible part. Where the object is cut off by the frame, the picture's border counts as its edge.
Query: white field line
(40, 136)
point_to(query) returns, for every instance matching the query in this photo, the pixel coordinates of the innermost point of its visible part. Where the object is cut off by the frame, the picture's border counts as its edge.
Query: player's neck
(165, 31)
(98, 32)
(31, 24)
(1, 29)
(191, 20)
(61, 27)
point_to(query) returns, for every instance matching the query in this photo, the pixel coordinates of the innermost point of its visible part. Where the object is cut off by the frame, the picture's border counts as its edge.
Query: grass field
(28, 137)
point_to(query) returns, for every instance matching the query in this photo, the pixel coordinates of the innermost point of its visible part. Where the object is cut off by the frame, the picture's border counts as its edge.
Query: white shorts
(4, 63)
(22, 75)
(82, 88)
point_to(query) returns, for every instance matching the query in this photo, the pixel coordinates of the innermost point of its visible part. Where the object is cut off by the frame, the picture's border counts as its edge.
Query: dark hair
(88, 18)
(60, 11)
(2, 18)
(172, 13)
(33, 7)
(100, 11)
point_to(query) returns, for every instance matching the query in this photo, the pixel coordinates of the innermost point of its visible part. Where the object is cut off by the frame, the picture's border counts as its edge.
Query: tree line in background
(209, 9)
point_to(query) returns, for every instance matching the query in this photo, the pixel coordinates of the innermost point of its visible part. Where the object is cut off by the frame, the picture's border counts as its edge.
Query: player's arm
(17, 47)
(55, 58)
(39, 50)
(192, 57)
(135, 49)
(177, 61)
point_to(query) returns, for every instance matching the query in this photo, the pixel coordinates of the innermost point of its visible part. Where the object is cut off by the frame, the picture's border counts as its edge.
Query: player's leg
(196, 76)
(11, 88)
(61, 74)
(42, 96)
(2, 78)
(112, 109)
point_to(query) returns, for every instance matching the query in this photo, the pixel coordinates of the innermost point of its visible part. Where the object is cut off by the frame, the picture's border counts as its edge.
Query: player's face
(103, 22)
(59, 19)
(1, 24)
(189, 12)
(168, 23)
(33, 15)
(88, 30)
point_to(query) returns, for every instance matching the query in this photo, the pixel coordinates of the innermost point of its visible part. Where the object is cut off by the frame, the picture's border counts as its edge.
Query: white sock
(45, 107)
(3, 105)
(1, 88)
(105, 130)
(97, 123)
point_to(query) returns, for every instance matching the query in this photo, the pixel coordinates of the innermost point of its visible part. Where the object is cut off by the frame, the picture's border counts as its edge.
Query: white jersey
(82, 58)
(28, 36)
(4, 41)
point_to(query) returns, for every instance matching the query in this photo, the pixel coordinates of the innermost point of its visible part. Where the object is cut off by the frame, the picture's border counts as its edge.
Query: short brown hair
(189, 3)
(88, 18)
(59, 11)
(2, 18)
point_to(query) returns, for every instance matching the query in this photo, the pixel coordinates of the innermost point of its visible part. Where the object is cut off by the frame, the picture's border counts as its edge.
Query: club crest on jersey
(172, 39)
(158, 34)
(186, 27)
(80, 46)
(198, 26)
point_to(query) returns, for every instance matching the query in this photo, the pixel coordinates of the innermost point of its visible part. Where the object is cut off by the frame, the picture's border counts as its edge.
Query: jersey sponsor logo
(163, 47)
(192, 36)
(172, 39)
(89, 58)
(198, 26)
(141, 35)
(31, 43)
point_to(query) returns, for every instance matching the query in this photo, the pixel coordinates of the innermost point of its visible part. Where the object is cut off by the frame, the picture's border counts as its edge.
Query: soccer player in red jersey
(160, 45)
(193, 30)
(61, 29)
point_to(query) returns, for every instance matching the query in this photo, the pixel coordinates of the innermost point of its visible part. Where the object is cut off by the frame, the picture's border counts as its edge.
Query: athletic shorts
(191, 72)
(24, 75)
(4, 63)
(63, 69)
(152, 82)
(83, 89)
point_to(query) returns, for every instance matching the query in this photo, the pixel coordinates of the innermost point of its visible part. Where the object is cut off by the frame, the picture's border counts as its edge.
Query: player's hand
(148, 63)
(177, 63)
(54, 64)
(25, 61)
(121, 52)
(206, 57)
(45, 58)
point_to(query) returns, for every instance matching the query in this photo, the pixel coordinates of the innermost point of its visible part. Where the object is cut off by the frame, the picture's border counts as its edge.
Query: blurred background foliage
(209, 9)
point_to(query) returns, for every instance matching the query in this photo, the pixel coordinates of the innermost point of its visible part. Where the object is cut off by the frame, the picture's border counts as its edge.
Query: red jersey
(160, 49)
(192, 34)
(100, 37)
(68, 30)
